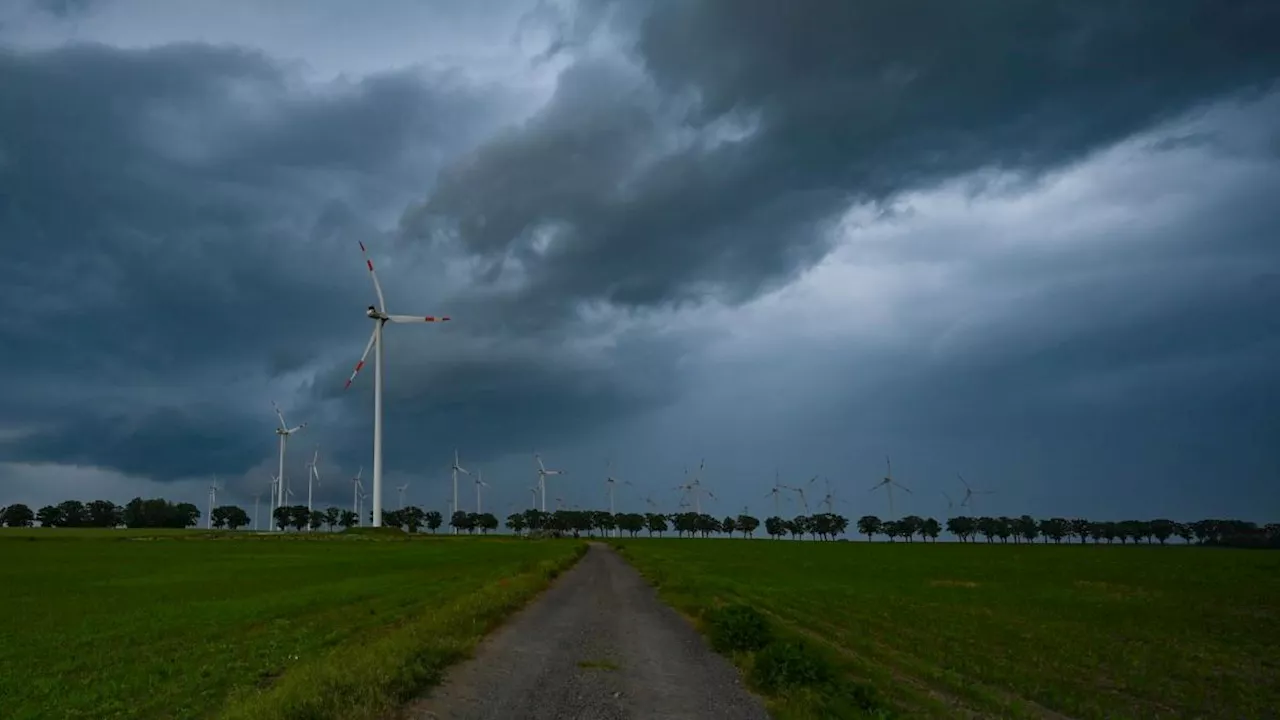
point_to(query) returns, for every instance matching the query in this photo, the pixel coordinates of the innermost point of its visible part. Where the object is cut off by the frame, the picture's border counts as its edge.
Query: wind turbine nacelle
(372, 312)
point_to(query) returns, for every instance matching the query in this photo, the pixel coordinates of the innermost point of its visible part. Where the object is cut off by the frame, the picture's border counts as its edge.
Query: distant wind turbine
(611, 481)
(400, 490)
(480, 485)
(799, 490)
(356, 486)
(543, 474)
(283, 431)
(313, 481)
(380, 317)
(213, 500)
(776, 493)
(455, 469)
(888, 483)
(969, 492)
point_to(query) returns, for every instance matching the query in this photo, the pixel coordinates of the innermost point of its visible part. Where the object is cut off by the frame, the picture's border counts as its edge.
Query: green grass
(952, 630)
(119, 624)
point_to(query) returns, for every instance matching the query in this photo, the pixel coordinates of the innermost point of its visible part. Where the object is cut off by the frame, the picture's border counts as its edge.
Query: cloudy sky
(1035, 243)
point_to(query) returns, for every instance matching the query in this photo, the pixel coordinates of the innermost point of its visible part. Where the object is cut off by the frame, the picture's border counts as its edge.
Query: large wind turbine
(380, 317)
(888, 484)
(356, 487)
(543, 474)
(457, 468)
(969, 492)
(284, 431)
(697, 489)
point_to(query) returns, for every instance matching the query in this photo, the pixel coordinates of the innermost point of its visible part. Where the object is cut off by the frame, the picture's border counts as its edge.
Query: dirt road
(598, 645)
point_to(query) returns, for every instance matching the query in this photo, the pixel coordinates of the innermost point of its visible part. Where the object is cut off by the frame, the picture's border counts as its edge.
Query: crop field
(951, 630)
(122, 624)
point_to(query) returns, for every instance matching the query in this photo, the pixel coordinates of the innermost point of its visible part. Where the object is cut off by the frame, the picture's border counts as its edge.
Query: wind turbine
(799, 490)
(456, 469)
(400, 489)
(480, 484)
(275, 483)
(543, 474)
(534, 491)
(698, 490)
(950, 503)
(256, 499)
(356, 487)
(776, 492)
(380, 317)
(888, 484)
(969, 492)
(829, 499)
(313, 477)
(611, 481)
(284, 431)
(213, 500)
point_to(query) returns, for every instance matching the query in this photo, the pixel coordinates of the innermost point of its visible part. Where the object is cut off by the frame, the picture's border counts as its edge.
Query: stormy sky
(1033, 243)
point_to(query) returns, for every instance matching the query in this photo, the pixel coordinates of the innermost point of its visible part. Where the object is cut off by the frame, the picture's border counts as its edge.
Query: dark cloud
(824, 104)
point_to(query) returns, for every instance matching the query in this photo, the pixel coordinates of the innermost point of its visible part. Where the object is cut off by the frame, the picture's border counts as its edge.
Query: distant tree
(728, 525)
(1162, 529)
(331, 517)
(315, 521)
(17, 515)
(72, 514)
(281, 517)
(635, 523)
(236, 517)
(775, 526)
(434, 520)
(1080, 528)
(414, 518)
(655, 523)
(393, 518)
(186, 515)
(1096, 530)
(299, 517)
(1183, 530)
(910, 525)
(459, 521)
(1027, 528)
(486, 522)
(869, 525)
(931, 529)
(103, 514)
(515, 523)
(218, 517)
(747, 525)
(347, 519)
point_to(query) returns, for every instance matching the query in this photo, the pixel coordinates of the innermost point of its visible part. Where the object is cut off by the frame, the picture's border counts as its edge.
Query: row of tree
(160, 513)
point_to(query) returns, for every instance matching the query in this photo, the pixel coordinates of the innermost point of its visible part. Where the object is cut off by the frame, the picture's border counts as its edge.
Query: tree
(315, 521)
(869, 525)
(655, 523)
(281, 517)
(347, 519)
(486, 522)
(515, 523)
(237, 517)
(1162, 529)
(17, 515)
(728, 525)
(747, 525)
(434, 520)
(103, 514)
(931, 529)
(49, 516)
(775, 526)
(331, 517)
(459, 521)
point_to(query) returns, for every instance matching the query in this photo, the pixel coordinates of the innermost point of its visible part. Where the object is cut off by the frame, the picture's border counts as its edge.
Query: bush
(737, 628)
(789, 664)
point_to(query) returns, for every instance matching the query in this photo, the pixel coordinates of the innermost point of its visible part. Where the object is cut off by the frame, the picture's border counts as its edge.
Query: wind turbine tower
(283, 431)
(213, 501)
(543, 474)
(457, 468)
(380, 317)
(480, 484)
(888, 483)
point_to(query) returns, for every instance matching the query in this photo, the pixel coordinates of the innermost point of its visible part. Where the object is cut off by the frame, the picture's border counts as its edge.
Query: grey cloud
(849, 101)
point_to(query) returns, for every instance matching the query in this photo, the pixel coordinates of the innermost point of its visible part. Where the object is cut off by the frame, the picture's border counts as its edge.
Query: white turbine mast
(457, 468)
(400, 491)
(271, 519)
(533, 490)
(480, 484)
(543, 474)
(257, 498)
(380, 317)
(283, 431)
(356, 487)
(213, 500)
(313, 478)
(888, 483)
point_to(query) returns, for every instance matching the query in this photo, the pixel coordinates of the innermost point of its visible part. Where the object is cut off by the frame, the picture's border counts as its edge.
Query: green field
(116, 624)
(975, 630)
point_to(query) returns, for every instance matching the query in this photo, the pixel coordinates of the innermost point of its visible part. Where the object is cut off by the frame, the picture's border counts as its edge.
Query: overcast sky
(1034, 243)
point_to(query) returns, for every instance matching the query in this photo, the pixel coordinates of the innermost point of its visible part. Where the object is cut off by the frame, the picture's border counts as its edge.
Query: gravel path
(597, 645)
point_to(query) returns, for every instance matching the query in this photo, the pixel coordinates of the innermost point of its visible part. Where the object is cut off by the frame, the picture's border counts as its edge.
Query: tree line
(160, 513)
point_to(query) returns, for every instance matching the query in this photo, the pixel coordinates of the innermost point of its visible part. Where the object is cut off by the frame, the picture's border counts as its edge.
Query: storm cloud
(1032, 243)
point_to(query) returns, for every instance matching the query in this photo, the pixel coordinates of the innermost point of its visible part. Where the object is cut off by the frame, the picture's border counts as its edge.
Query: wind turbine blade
(293, 430)
(372, 336)
(417, 318)
(541, 467)
(904, 487)
(279, 414)
(377, 287)
(962, 480)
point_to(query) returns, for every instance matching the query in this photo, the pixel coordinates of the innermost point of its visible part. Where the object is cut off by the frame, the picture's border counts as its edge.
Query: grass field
(119, 624)
(951, 630)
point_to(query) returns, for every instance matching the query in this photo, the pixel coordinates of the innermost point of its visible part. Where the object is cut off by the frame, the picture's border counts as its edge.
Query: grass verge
(372, 679)
(798, 679)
